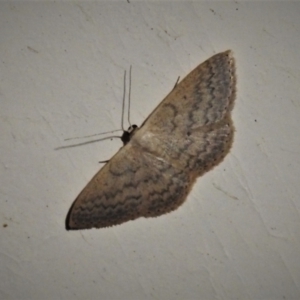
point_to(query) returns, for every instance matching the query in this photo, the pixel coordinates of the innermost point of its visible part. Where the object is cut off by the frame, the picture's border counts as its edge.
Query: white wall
(61, 75)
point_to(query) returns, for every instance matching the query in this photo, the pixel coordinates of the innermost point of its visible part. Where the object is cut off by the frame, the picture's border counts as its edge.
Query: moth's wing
(134, 183)
(205, 96)
(192, 127)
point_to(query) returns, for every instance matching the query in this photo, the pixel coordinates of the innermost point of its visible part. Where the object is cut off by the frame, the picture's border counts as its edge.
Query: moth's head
(126, 136)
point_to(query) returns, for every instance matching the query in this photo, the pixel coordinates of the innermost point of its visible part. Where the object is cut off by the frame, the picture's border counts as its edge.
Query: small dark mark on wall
(32, 50)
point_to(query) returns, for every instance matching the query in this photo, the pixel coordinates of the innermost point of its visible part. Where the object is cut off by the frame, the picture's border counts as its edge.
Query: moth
(188, 133)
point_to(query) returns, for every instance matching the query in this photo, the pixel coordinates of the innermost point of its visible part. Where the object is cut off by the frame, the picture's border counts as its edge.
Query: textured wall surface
(61, 76)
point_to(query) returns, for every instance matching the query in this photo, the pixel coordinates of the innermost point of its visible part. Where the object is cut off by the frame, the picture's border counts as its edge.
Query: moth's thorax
(127, 135)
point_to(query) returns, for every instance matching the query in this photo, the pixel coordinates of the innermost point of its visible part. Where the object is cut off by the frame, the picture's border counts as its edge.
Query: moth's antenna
(129, 95)
(97, 134)
(123, 106)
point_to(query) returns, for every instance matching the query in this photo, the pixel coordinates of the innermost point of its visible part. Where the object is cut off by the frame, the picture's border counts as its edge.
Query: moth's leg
(176, 83)
(104, 161)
